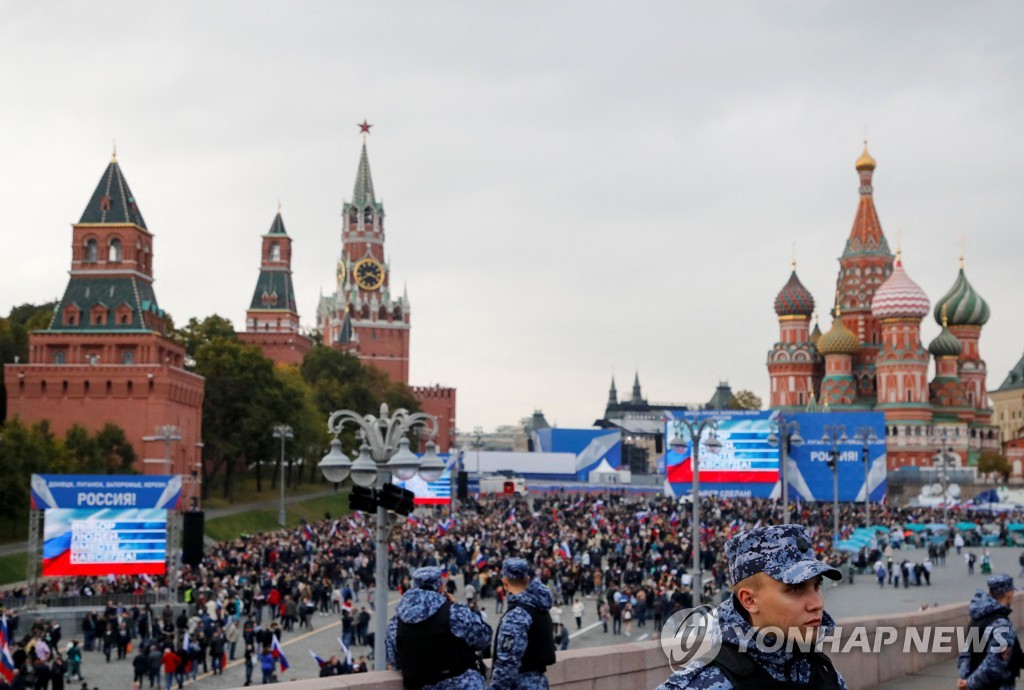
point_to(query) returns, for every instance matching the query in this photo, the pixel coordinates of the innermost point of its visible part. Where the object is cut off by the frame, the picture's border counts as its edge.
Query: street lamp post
(478, 443)
(695, 430)
(785, 434)
(283, 432)
(384, 452)
(168, 433)
(835, 434)
(944, 458)
(866, 435)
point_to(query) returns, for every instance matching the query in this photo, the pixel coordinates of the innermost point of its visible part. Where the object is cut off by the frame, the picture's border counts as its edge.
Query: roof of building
(722, 397)
(899, 297)
(945, 344)
(362, 193)
(1015, 379)
(274, 291)
(865, 162)
(794, 299)
(866, 236)
(815, 332)
(110, 293)
(963, 304)
(113, 201)
(277, 227)
(839, 340)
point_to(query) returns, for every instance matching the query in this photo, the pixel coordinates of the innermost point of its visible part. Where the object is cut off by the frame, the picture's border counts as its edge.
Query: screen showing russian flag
(117, 541)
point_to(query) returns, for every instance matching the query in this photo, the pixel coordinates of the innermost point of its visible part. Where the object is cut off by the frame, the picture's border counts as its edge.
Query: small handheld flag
(278, 653)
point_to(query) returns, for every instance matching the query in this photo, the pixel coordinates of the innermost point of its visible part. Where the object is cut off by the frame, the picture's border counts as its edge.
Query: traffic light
(362, 499)
(396, 499)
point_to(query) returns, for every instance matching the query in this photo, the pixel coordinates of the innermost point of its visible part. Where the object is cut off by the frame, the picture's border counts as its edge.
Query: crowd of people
(619, 559)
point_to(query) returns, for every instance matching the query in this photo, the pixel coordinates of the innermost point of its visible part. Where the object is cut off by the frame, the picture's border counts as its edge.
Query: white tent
(604, 473)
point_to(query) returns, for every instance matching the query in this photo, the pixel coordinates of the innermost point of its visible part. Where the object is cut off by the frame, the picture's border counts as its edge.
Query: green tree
(240, 408)
(14, 332)
(25, 450)
(340, 381)
(116, 452)
(744, 400)
(196, 333)
(309, 427)
(993, 461)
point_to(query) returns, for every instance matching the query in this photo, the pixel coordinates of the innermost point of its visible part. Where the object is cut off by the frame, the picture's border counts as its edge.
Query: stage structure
(104, 525)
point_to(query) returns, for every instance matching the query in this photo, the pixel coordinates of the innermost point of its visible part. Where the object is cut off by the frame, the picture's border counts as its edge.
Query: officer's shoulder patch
(507, 643)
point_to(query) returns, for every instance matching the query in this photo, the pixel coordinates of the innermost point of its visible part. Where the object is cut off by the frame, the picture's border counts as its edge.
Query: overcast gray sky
(573, 189)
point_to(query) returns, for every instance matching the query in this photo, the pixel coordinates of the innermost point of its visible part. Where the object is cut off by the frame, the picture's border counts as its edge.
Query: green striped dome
(945, 345)
(964, 306)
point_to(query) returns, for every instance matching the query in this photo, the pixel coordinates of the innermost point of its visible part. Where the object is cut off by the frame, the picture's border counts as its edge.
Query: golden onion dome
(865, 162)
(839, 340)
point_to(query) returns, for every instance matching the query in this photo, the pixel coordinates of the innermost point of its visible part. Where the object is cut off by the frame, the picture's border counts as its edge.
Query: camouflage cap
(1000, 584)
(515, 569)
(427, 578)
(783, 552)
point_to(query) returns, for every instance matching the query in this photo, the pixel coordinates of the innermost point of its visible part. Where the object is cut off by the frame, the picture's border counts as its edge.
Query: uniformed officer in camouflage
(775, 584)
(432, 640)
(525, 644)
(997, 665)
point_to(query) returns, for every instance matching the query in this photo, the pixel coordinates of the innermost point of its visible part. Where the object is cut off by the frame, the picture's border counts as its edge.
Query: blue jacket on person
(512, 637)
(993, 672)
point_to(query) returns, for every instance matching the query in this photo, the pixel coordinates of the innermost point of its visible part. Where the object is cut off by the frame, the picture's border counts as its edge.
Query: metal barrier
(100, 601)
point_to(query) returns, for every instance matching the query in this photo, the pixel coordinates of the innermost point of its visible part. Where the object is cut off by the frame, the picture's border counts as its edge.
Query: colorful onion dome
(963, 304)
(945, 345)
(839, 340)
(899, 297)
(794, 299)
(865, 162)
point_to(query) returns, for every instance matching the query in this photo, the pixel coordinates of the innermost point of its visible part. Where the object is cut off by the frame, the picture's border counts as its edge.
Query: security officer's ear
(746, 592)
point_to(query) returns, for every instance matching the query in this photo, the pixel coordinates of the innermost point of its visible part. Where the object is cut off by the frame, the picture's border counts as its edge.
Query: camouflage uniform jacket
(993, 672)
(416, 606)
(788, 666)
(511, 641)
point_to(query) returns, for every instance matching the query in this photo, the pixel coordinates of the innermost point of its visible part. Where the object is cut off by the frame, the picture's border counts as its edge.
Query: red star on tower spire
(364, 127)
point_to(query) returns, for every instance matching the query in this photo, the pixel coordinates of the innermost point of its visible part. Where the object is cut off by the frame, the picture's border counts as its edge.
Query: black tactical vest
(746, 674)
(428, 652)
(1016, 662)
(540, 640)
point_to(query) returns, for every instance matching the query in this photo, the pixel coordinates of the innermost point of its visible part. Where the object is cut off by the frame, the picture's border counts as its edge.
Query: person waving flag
(278, 653)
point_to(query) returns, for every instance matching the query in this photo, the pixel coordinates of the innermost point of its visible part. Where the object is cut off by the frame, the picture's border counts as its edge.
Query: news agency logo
(691, 638)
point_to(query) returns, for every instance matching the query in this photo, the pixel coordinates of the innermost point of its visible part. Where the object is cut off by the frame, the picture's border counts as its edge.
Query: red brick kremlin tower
(106, 356)
(364, 316)
(272, 321)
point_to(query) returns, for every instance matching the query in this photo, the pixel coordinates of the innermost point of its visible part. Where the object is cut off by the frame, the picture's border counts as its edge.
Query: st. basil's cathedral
(872, 357)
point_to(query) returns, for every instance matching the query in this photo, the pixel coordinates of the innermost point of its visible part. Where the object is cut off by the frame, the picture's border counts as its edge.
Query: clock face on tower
(369, 274)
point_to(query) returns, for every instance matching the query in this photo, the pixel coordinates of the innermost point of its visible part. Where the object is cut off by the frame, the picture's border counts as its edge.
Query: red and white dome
(900, 297)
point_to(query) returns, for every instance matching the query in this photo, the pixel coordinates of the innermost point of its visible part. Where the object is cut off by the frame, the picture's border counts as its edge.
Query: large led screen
(116, 541)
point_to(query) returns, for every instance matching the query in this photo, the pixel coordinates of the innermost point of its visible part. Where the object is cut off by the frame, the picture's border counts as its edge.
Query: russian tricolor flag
(564, 552)
(320, 661)
(308, 531)
(481, 561)
(278, 653)
(6, 660)
(443, 526)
